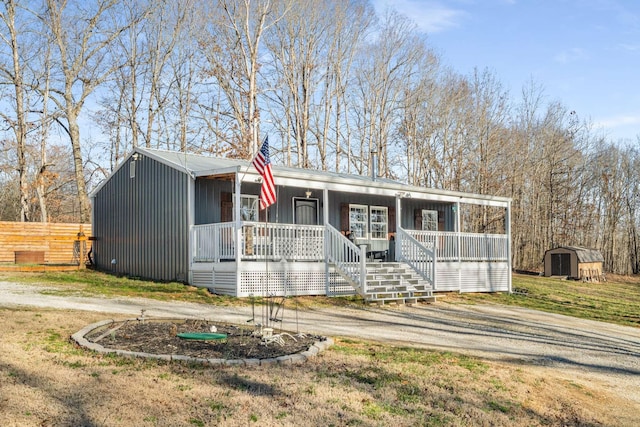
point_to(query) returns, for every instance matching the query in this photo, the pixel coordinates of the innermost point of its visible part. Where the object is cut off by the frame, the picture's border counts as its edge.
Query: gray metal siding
(208, 195)
(142, 222)
(207, 199)
(409, 206)
(407, 220)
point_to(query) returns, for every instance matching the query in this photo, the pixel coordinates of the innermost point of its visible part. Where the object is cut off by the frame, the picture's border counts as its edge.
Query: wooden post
(82, 248)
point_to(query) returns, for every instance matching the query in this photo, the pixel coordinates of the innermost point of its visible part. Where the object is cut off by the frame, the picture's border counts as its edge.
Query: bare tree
(43, 177)
(385, 67)
(13, 72)
(231, 44)
(631, 195)
(82, 33)
(350, 25)
(313, 48)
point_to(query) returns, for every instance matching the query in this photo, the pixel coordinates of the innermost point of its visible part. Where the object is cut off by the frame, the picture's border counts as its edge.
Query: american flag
(262, 163)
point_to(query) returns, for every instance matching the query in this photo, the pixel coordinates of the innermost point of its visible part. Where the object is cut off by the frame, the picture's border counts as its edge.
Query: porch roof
(200, 165)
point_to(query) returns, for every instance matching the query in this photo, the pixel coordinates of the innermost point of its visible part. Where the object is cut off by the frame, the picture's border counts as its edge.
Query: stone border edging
(289, 359)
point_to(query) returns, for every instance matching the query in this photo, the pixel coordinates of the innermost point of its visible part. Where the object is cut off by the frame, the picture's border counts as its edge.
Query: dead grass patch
(47, 381)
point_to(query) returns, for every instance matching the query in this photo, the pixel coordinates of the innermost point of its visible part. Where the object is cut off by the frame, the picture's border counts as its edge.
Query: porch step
(394, 282)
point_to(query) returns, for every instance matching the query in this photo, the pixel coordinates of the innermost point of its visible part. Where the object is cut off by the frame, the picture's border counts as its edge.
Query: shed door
(305, 211)
(561, 264)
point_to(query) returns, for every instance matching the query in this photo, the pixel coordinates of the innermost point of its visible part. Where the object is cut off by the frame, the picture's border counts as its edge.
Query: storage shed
(573, 262)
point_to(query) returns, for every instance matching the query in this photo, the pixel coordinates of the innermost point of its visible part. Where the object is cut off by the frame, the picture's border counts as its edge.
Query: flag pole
(266, 261)
(262, 163)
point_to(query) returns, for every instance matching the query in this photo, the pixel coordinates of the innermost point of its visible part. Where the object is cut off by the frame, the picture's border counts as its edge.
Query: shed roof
(584, 254)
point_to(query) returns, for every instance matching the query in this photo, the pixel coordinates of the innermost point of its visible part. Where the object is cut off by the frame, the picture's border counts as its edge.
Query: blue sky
(583, 53)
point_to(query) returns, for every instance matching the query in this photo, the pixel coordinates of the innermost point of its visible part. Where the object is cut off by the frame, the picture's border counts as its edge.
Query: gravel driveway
(574, 348)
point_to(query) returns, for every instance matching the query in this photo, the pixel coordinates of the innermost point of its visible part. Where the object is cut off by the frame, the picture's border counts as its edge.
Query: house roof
(584, 254)
(197, 165)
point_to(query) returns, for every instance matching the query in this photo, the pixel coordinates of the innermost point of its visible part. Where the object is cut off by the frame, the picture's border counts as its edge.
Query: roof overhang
(201, 166)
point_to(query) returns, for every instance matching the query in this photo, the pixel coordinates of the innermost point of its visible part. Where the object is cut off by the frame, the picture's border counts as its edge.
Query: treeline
(329, 81)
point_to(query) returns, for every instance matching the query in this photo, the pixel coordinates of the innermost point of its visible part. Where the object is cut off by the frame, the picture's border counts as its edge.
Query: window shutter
(226, 207)
(344, 217)
(392, 219)
(417, 216)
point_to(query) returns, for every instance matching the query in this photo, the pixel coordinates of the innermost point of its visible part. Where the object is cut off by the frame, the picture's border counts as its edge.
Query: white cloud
(622, 120)
(430, 17)
(629, 47)
(622, 127)
(571, 55)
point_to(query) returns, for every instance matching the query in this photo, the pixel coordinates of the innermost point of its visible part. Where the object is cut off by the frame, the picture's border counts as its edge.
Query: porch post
(508, 230)
(459, 238)
(238, 230)
(191, 250)
(325, 222)
(363, 268)
(398, 223)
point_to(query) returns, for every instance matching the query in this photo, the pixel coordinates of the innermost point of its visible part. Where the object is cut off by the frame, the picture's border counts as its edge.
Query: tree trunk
(82, 197)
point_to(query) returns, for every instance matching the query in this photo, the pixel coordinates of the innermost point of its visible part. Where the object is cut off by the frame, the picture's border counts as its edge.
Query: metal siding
(207, 200)
(336, 200)
(408, 208)
(208, 196)
(142, 222)
(410, 205)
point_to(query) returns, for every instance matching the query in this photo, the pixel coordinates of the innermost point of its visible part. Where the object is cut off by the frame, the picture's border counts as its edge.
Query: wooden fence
(44, 243)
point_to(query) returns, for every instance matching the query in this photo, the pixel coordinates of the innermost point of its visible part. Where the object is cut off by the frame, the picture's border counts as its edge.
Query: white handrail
(347, 257)
(420, 257)
(213, 242)
(473, 246)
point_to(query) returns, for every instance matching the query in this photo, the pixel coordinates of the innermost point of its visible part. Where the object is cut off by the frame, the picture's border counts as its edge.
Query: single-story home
(574, 262)
(173, 216)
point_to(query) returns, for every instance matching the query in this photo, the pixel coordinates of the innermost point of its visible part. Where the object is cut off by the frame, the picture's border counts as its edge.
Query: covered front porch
(332, 234)
(253, 258)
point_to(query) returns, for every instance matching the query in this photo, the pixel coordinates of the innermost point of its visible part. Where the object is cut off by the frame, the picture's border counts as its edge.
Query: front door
(305, 211)
(560, 264)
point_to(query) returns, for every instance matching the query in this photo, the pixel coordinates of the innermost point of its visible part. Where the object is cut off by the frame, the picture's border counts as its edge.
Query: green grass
(93, 283)
(615, 301)
(355, 382)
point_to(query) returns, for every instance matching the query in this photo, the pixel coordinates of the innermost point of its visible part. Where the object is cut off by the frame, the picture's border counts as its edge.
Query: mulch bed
(159, 337)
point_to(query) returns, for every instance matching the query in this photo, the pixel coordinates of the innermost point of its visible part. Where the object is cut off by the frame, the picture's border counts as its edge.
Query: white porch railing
(421, 257)
(473, 246)
(347, 257)
(215, 242)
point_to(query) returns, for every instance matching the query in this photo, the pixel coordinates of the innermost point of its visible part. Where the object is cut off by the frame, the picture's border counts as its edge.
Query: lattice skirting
(309, 278)
(281, 283)
(257, 279)
(287, 283)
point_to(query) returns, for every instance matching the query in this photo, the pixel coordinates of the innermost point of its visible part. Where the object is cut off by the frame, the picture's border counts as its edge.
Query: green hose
(203, 336)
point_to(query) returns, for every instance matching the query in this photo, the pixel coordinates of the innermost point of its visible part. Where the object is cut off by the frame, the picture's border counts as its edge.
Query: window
(429, 220)
(379, 222)
(358, 219)
(369, 221)
(249, 208)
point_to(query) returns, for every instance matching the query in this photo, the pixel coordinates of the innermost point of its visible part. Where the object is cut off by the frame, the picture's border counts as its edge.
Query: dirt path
(577, 349)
